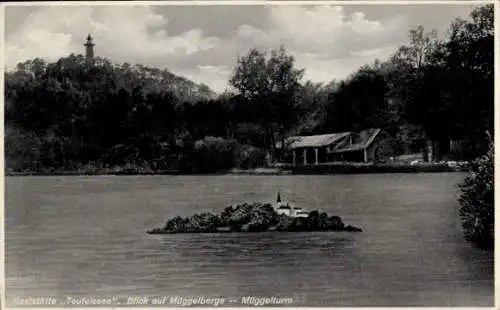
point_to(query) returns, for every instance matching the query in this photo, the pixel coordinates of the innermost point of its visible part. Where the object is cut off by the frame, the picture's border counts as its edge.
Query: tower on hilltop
(89, 48)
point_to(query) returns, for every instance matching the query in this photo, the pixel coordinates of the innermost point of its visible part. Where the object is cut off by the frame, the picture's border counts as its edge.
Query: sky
(202, 43)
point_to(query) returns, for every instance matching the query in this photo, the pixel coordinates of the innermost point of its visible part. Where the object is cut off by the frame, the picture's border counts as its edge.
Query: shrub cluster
(477, 201)
(212, 154)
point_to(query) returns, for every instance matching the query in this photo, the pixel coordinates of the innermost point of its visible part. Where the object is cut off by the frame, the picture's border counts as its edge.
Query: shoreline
(326, 169)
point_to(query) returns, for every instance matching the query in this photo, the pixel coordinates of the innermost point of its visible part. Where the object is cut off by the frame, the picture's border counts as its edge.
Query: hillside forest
(76, 114)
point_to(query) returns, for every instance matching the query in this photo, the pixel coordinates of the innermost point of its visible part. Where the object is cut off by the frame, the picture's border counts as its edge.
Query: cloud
(324, 70)
(214, 76)
(133, 34)
(330, 42)
(326, 41)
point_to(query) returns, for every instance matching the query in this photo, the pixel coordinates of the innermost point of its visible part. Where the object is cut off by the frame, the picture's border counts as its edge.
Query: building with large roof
(342, 146)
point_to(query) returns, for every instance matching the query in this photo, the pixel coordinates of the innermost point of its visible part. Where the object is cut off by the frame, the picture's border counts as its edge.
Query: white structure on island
(285, 208)
(298, 212)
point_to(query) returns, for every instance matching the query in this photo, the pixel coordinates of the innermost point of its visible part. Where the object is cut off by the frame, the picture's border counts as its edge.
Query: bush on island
(477, 201)
(254, 217)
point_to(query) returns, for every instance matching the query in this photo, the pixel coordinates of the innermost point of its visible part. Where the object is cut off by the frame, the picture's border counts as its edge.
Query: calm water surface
(86, 236)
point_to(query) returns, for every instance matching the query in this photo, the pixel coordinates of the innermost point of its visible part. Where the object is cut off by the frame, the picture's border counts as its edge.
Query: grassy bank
(362, 168)
(93, 170)
(337, 168)
(139, 171)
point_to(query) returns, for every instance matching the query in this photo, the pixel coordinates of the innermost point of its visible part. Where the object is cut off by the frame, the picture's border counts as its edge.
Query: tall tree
(312, 106)
(358, 103)
(420, 49)
(269, 82)
(470, 66)
(452, 98)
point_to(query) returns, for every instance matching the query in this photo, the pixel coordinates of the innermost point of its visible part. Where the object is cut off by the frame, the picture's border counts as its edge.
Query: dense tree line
(76, 112)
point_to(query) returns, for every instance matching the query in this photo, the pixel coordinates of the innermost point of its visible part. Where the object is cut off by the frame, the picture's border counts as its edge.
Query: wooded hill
(74, 113)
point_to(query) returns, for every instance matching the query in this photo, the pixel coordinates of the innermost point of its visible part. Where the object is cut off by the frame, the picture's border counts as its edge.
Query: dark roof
(313, 141)
(359, 141)
(338, 142)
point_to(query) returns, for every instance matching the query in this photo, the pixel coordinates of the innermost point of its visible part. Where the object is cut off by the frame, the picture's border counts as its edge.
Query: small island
(255, 217)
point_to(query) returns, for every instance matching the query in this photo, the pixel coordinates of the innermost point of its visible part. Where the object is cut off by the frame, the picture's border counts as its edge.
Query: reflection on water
(85, 235)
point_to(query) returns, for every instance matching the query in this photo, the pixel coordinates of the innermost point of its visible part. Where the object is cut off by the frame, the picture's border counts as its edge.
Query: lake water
(86, 236)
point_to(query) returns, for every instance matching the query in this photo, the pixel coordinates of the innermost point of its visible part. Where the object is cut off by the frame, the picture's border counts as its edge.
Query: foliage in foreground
(477, 201)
